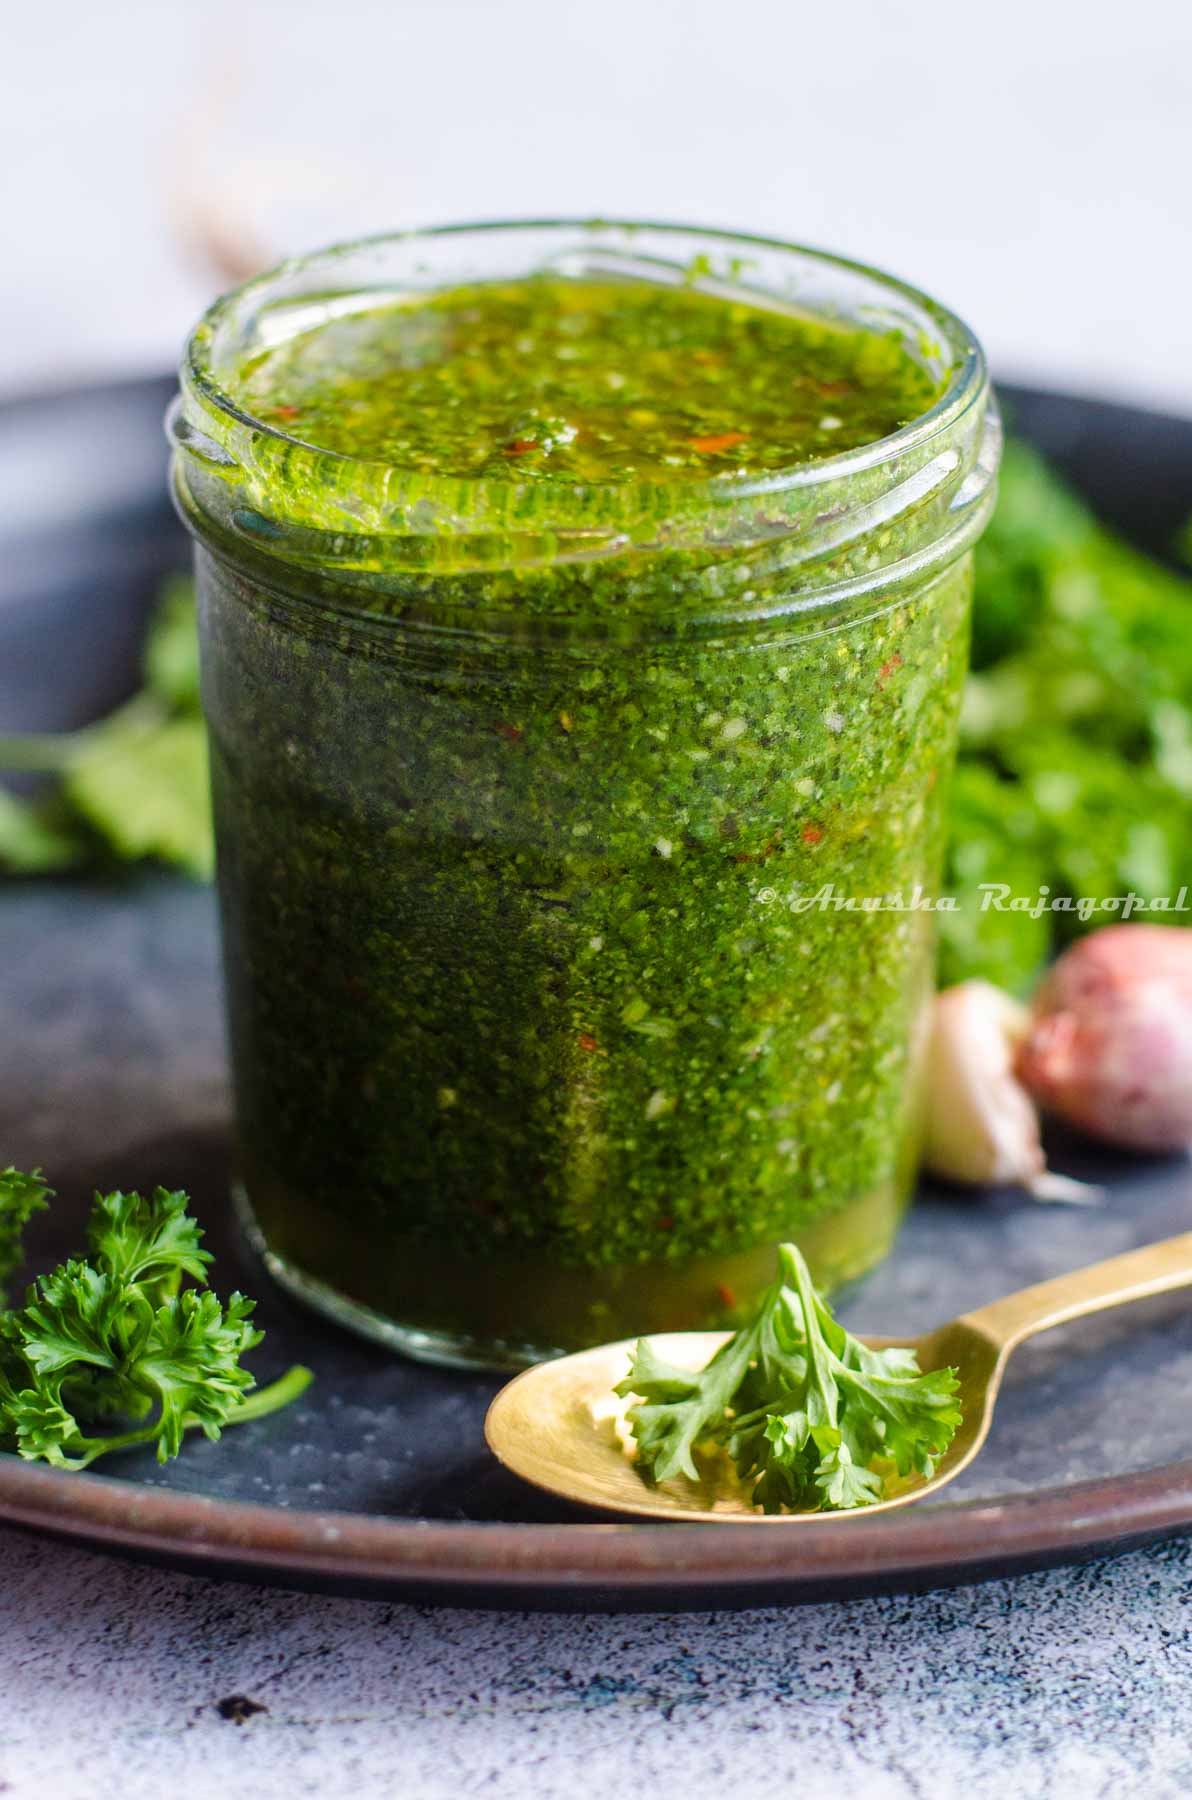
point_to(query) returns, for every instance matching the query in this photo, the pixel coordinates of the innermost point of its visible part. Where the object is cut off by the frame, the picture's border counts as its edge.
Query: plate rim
(916, 1546)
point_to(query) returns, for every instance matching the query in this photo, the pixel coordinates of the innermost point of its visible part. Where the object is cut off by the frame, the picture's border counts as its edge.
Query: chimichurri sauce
(551, 380)
(537, 1039)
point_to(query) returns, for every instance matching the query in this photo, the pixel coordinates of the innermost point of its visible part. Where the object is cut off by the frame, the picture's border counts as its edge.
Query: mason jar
(577, 844)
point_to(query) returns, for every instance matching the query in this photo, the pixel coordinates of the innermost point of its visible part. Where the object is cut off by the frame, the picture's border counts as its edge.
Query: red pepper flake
(726, 1296)
(587, 1042)
(665, 1223)
(811, 834)
(519, 446)
(887, 669)
(708, 446)
(514, 733)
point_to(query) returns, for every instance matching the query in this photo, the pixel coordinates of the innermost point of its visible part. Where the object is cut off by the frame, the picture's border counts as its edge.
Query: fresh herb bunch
(804, 1410)
(1075, 768)
(117, 1336)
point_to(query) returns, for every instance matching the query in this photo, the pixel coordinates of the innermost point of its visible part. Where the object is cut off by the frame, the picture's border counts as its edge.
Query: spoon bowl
(561, 1427)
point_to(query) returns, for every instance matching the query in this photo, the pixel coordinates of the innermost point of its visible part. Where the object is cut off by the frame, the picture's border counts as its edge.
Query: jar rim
(967, 380)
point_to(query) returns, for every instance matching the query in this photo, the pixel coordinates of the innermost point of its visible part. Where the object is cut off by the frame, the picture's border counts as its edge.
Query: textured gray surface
(1061, 1684)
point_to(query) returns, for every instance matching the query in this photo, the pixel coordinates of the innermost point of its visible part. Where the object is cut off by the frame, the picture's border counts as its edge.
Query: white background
(1029, 161)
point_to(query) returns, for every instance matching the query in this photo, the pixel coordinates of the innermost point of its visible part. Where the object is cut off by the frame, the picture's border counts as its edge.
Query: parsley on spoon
(739, 1427)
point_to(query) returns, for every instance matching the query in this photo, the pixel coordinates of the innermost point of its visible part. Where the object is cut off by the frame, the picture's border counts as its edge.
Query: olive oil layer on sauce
(577, 381)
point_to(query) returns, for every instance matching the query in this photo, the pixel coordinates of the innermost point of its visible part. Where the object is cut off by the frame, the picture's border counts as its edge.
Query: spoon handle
(1153, 1269)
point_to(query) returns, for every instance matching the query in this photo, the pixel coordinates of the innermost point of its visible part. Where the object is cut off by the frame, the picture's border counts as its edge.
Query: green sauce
(531, 1047)
(549, 380)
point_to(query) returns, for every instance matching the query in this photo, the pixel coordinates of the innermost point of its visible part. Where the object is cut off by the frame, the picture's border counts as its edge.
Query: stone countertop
(123, 1682)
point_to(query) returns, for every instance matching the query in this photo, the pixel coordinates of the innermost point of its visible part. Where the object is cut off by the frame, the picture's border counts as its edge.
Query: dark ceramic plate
(112, 1072)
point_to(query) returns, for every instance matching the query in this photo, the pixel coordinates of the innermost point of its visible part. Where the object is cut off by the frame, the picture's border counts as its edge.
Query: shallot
(1108, 1046)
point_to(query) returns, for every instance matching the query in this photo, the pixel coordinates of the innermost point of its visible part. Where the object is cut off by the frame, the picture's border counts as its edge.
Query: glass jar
(576, 845)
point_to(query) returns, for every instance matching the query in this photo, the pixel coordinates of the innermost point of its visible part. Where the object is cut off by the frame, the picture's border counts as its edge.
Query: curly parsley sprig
(117, 1336)
(804, 1409)
(20, 1197)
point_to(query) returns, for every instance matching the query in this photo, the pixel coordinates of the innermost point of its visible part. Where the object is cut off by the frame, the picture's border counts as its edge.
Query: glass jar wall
(576, 828)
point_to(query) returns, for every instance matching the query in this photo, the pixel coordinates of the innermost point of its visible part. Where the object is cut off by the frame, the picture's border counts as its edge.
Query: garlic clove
(981, 1124)
(982, 1127)
(1064, 1190)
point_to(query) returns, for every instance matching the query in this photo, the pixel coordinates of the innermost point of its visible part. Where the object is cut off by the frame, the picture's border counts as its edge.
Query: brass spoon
(560, 1426)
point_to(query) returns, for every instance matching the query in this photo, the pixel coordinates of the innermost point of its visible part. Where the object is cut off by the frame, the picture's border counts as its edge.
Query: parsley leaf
(139, 1240)
(20, 1197)
(805, 1410)
(677, 1410)
(117, 1336)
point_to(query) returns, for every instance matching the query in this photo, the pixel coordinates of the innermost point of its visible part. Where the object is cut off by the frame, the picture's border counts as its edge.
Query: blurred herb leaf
(143, 785)
(132, 786)
(31, 843)
(20, 1197)
(1076, 734)
(172, 647)
(997, 840)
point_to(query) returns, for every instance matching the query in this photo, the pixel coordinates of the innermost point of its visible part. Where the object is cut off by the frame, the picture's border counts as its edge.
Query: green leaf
(172, 647)
(996, 840)
(1171, 731)
(676, 1409)
(143, 784)
(1076, 730)
(119, 1337)
(136, 781)
(43, 1428)
(844, 1483)
(190, 1361)
(777, 1451)
(139, 1240)
(31, 843)
(71, 1318)
(20, 1197)
(911, 1416)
